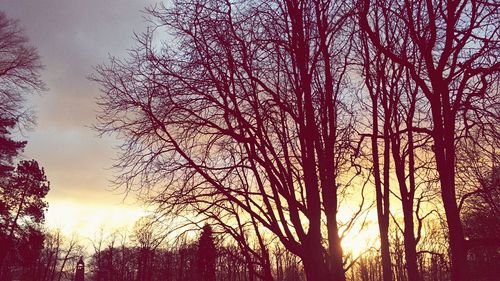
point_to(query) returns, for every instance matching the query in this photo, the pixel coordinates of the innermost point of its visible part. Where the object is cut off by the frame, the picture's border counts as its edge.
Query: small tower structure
(80, 270)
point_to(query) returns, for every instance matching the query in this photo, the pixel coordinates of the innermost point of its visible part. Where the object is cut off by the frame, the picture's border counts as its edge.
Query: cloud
(72, 36)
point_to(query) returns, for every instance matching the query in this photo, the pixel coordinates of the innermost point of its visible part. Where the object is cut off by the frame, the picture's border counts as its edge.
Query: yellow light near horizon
(87, 220)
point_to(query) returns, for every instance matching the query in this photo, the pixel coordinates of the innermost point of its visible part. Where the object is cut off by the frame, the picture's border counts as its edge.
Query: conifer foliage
(206, 254)
(23, 184)
(22, 203)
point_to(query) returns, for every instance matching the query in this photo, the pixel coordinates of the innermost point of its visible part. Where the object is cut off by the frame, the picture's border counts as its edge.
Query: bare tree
(248, 104)
(19, 71)
(397, 104)
(247, 234)
(451, 56)
(381, 107)
(58, 258)
(148, 237)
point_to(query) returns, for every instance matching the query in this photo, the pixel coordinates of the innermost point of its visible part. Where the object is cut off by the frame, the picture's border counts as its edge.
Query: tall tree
(381, 112)
(22, 188)
(397, 108)
(451, 55)
(249, 103)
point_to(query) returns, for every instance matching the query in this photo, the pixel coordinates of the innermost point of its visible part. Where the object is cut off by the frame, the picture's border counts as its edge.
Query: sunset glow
(86, 219)
(257, 140)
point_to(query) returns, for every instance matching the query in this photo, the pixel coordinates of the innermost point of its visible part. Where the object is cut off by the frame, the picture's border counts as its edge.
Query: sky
(72, 36)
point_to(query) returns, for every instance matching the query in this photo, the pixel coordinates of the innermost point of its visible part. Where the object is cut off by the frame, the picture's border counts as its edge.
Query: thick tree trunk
(458, 249)
(444, 150)
(410, 244)
(315, 266)
(335, 251)
(334, 261)
(384, 250)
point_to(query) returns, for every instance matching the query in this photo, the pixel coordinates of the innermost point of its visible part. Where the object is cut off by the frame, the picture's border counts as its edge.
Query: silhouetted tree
(287, 265)
(23, 195)
(148, 238)
(56, 258)
(245, 232)
(22, 188)
(9, 149)
(27, 251)
(397, 111)
(482, 227)
(450, 55)
(373, 71)
(19, 71)
(207, 254)
(249, 104)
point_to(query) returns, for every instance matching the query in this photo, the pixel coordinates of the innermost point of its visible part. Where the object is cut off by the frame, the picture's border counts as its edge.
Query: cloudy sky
(72, 36)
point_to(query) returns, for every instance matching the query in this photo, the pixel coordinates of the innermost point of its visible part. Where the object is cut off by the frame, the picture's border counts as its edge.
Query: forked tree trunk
(407, 191)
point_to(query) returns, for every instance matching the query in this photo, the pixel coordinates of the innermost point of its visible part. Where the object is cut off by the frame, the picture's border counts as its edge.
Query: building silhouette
(80, 271)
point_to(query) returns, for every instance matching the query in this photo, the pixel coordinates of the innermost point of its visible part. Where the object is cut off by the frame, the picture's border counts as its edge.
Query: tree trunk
(315, 266)
(382, 196)
(384, 250)
(335, 256)
(456, 237)
(407, 197)
(444, 150)
(410, 244)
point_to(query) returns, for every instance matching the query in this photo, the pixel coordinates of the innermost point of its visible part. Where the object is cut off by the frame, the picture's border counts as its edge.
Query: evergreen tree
(206, 254)
(24, 186)
(23, 211)
(9, 148)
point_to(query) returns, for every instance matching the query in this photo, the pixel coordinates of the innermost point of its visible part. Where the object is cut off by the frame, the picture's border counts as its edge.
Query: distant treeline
(145, 256)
